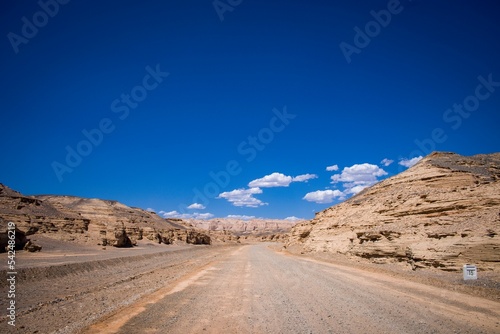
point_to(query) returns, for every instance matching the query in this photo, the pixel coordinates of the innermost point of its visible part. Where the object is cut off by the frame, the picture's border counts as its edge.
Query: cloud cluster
(175, 214)
(304, 177)
(324, 196)
(358, 176)
(386, 162)
(272, 180)
(354, 179)
(293, 218)
(196, 206)
(332, 168)
(195, 215)
(279, 180)
(242, 217)
(243, 197)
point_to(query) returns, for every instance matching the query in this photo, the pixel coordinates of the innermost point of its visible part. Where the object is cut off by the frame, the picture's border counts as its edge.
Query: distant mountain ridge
(443, 212)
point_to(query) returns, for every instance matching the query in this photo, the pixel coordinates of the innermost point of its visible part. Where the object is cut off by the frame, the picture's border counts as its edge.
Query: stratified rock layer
(240, 227)
(243, 230)
(443, 212)
(96, 221)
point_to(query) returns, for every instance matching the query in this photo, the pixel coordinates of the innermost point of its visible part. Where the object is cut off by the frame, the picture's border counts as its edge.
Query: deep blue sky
(225, 79)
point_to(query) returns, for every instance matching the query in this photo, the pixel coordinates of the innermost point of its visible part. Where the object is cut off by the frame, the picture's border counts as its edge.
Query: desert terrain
(442, 213)
(238, 288)
(387, 260)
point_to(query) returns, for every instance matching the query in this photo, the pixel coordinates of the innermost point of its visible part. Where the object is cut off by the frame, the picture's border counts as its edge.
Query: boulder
(31, 247)
(122, 239)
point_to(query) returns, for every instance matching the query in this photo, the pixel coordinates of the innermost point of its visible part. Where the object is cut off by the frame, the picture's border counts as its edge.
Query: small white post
(470, 271)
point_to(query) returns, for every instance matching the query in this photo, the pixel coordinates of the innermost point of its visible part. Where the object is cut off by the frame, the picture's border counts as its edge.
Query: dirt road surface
(253, 289)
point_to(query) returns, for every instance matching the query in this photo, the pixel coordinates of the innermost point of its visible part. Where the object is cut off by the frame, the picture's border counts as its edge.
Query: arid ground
(239, 288)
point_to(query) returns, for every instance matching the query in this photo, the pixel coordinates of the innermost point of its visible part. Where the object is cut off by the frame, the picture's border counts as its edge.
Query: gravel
(238, 289)
(256, 290)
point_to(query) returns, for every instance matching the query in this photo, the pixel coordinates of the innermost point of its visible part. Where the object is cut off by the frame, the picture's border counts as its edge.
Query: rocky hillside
(240, 230)
(92, 221)
(240, 227)
(443, 212)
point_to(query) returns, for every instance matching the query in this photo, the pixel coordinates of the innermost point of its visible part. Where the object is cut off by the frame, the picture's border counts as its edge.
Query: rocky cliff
(244, 227)
(89, 220)
(240, 230)
(443, 212)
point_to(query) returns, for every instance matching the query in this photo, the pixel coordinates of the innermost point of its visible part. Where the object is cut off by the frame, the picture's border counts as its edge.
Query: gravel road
(253, 289)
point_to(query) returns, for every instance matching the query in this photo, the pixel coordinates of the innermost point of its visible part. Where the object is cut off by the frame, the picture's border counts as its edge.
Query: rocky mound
(89, 220)
(443, 212)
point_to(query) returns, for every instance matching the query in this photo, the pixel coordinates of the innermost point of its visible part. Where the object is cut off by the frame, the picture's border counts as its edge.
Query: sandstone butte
(111, 223)
(92, 221)
(443, 212)
(255, 229)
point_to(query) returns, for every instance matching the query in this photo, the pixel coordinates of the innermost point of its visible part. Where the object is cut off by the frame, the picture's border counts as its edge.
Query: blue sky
(238, 107)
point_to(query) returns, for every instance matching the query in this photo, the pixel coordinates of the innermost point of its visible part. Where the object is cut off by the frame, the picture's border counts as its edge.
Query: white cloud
(304, 177)
(279, 180)
(356, 189)
(169, 214)
(205, 215)
(410, 162)
(196, 206)
(196, 215)
(243, 197)
(359, 174)
(242, 217)
(272, 180)
(293, 218)
(386, 162)
(323, 196)
(358, 177)
(332, 168)
(150, 210)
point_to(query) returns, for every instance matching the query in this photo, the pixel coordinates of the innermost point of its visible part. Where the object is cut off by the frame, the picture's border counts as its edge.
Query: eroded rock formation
(255, 229)
(92, 221)
(443, 212)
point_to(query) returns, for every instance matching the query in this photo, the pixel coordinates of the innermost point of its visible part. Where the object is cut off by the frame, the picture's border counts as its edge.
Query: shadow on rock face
(20, 239)
(31, 247)
(122, 239)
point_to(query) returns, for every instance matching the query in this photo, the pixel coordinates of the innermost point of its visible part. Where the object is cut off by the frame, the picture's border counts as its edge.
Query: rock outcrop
(93, 221)
(33, 215)
(31, 247)
(235, 230)
(443, 212)
(240, 227)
